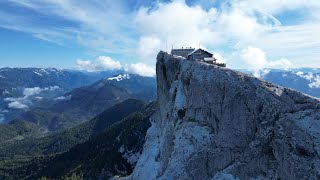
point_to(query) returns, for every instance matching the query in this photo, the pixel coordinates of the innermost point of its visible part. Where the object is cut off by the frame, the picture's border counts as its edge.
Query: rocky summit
(215, 123)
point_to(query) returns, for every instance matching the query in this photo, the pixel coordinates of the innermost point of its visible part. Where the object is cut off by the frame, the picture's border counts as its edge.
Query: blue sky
(104, 34)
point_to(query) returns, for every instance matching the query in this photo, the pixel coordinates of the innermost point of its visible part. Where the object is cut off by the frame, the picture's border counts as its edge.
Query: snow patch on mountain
(120, 77)
(37, 73)
(62, 98)
(47, 71)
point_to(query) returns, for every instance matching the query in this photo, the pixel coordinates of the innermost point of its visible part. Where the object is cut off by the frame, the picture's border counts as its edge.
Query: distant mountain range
(40, 138)
(82, 104)
(96, 128)
(36, 92)
(306, 80)
(22, 89)
(14, 80)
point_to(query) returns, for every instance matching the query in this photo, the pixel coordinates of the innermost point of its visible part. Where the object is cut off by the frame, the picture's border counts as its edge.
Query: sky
(127, 34)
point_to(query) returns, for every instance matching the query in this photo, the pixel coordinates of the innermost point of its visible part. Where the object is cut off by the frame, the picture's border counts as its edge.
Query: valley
(94, 131)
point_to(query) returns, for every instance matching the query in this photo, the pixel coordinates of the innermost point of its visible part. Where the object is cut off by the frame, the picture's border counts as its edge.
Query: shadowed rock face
(214, 122)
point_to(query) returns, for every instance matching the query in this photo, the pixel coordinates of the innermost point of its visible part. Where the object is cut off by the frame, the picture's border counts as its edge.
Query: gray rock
(216, 123)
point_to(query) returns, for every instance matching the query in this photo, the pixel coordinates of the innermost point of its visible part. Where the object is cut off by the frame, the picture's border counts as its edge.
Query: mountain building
(183, 52)
(197, 55)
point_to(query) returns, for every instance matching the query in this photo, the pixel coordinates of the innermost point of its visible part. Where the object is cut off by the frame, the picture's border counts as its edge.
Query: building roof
(182, 52)
(195, 50)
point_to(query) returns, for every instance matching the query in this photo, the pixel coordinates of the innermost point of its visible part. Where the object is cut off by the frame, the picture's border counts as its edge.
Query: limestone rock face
(216, 123)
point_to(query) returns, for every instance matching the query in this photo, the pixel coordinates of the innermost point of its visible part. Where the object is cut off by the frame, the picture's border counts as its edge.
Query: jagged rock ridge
(214, 123)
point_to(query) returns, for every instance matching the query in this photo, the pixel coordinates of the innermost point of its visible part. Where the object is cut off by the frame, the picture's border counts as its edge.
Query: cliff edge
(216, 123)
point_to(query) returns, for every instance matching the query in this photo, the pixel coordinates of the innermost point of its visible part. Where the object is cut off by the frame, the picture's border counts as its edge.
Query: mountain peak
(213, 122)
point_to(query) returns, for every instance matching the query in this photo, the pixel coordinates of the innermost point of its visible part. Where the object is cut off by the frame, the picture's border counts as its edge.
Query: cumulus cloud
(109, 63)
(140, 69)
(32, 91)
(254, 57)
(315, 83)
(313, 78)
(17, 105)
(106, 63)
(309, 76)
(28, 93)
(37, 90)
(220, 58)
(256, 60)
(148, 45)
(235, 25)
(174, 24)
(101, 63)
(85, 65)
(113, 28)
(281, 64)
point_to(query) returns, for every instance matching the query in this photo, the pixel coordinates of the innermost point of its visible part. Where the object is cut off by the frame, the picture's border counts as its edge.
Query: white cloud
(85, 65)
(148, 46)
(17, 105)
(313, 78)
(37, 90)
(101, 63)
(308, 76)
(275, 6)
(108, 63)
(219, 57)
(315, 83)
(28, 94)
(140, 69)
(32, 91)
(113, 28)
(96, 27)
(281, 64)
(236, 25)
(256, 60)
(254, 57)
(174, 24)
